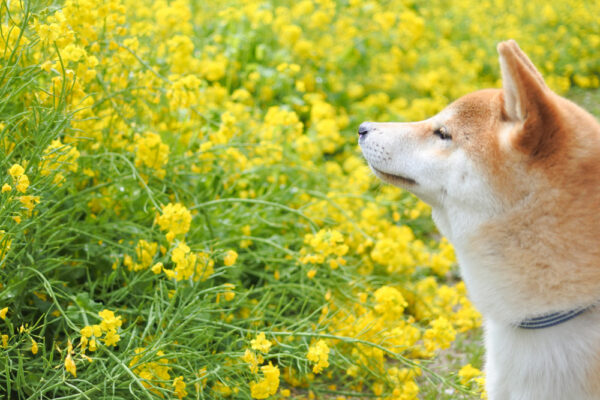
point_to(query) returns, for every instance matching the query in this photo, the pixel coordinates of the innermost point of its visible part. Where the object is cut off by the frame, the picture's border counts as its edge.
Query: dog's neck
(517, 267)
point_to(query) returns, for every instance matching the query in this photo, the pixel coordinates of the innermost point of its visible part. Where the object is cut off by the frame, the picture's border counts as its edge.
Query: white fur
(544, 364)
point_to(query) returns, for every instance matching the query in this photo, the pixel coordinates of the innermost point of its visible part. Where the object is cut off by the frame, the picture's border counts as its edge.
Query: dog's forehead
(477, 104)
(443, 116)
(476, 111)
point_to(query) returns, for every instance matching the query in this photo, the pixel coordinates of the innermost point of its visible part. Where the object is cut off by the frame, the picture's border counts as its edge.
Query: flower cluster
(145, 252)
(198, 266)
(153, 373)
(175, 219)
(21, 183)
(319, 355)
(325, 246)
(269, 383)
(20, 180)
(152, 153)
(108, 327)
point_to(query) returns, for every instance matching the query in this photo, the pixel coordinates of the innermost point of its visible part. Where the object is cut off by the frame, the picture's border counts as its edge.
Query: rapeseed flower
(439, 336)
(111, 338)
(468, 373)
(58, 157)
(318, 353)
(153, 373)
(29, 202)
(253, 360)
(70, 365)
(326, 245)
(145, 252)
(268, 385)
(175, 219)
(389, 302)
(261, 343)
(179, 387)
(20, 180)
(152, 153)
(230, 258)
(110, 322)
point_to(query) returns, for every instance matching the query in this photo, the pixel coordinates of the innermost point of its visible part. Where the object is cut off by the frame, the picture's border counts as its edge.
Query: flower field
(186, 213)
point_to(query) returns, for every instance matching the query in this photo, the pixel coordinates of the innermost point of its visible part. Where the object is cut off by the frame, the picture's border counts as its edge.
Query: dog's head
(489, 149)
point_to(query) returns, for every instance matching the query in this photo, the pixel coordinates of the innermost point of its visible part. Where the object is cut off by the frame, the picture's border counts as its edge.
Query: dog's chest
(552, 363)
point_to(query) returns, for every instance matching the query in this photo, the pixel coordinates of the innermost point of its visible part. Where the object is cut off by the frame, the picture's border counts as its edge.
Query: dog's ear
(526, 100)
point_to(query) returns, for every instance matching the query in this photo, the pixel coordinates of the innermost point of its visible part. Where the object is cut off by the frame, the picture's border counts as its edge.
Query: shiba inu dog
(513, 178)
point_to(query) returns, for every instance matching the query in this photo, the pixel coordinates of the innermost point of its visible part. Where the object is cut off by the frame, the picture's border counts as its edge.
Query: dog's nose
(363, 129)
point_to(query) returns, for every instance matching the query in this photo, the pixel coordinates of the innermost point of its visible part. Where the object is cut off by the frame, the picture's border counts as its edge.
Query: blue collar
(552, 319)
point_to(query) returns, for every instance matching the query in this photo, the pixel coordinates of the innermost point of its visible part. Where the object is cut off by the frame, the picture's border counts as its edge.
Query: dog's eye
(442, 133)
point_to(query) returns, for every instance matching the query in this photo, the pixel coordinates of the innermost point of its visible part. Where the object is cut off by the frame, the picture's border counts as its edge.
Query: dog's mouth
(394, 179)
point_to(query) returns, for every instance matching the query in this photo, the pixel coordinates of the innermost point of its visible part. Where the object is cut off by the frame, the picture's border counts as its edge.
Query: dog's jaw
(396, 180)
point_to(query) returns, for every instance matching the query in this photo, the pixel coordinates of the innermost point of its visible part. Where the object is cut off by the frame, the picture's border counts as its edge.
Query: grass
(586, 98)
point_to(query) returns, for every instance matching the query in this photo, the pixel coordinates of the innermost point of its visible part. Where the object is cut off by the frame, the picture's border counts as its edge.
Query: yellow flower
(109, 320)
(152, 153)
(175, 218)
(144, 252)
(111, 338)
(157, 268)
(46, 65)
(268, 385)
(29, 202)
(83, 341)
(246, 230)
(439, 336)
(22, 183)
(6, 188)
(318, 353)
(20, 180)
(16, 170)
(56, 157)
(170, 236)
(467, 373)
(325, 243)
(229, 294)
(222, 389)
(97, 330)
(3, 313)
(390, 302)
(169, 273)
(253, 359)
(70, 365)
(261, 343)
(311, 273)
(179, 387)
(34, 346)
(230, 258)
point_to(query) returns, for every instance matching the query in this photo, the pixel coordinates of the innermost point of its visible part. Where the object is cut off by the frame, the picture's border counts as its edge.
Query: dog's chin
(396, 180)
